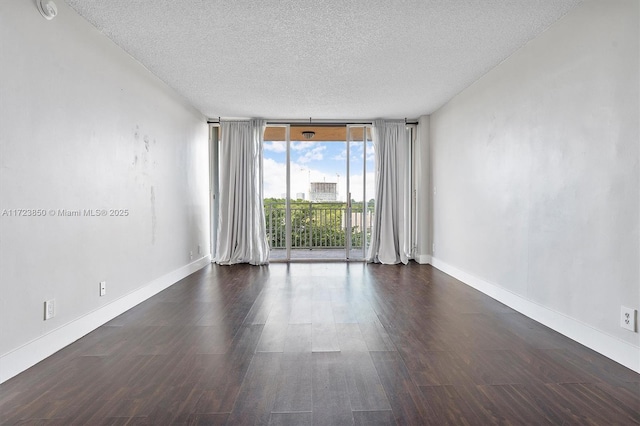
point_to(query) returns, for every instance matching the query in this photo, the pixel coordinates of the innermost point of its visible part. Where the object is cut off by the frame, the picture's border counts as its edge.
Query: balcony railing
(319, 225)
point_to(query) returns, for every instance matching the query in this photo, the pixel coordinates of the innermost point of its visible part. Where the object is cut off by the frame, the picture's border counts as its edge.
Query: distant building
(323, 191)
(299, 195)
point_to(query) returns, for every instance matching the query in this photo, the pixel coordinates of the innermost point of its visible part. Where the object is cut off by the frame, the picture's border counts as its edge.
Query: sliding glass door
(318, 184)
(360, 180)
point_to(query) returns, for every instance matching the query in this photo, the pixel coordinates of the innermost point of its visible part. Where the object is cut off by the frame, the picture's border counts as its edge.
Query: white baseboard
(423, 259)
(603, 343)
(20, 359)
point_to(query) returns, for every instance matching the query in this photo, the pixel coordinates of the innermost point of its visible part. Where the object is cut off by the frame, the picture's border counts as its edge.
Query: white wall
(535, 168)
(84, 126)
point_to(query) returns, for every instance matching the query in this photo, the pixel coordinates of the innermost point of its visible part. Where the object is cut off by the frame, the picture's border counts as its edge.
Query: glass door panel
(361, 186)
(276, 194)
(318, 175)
(318, 186)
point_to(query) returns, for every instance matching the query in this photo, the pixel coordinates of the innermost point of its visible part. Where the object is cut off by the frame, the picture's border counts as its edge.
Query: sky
(319, 161)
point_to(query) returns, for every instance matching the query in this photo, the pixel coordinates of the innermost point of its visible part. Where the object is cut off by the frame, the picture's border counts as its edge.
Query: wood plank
(262, 306)
(404, 397)
(442, 353)
(214, 339)
(350, 338)
(324, 338)
(433, 368)
(302, 310)
(213, 419)
(291, 419)
(344, 313)
(294, 388)
(322, 312)
(330, 394)
(451, 405)
(298, 338)
(376, 337)
(590, 404)
(280, 311)
(272, 338)
(487, 367)
(257, 394)
(374, 418)
(366, 393)
(222, 380)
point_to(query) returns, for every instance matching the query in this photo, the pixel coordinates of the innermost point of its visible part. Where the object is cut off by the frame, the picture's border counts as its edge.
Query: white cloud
(371, 152)
(357, 182)
(301, 146)
(275, 181)
(275, 146)
(340, 157)
(308, 164)
(314, 154)
(274, 178)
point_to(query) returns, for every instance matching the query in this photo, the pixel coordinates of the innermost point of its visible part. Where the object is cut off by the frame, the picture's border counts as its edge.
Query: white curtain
(390, 237)
(242, 235)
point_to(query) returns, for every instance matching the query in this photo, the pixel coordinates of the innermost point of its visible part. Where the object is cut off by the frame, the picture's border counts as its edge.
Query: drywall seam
(605, 344)
(26, 356)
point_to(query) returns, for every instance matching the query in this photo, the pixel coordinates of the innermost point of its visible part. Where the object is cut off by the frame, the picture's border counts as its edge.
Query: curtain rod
(323, 123)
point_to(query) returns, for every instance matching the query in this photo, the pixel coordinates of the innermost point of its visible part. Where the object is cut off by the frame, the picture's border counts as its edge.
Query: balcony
(318, 229)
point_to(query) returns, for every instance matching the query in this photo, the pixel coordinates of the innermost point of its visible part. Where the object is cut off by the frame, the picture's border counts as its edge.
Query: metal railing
(317, 225)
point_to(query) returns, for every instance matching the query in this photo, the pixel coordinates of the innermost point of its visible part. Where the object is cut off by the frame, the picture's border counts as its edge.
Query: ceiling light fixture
(308, 134)
(47, 8)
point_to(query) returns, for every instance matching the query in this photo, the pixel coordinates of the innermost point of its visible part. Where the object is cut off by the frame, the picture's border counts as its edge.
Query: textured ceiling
(331, 59)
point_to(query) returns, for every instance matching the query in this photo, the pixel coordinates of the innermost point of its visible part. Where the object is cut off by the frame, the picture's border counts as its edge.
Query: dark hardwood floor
(322, 344)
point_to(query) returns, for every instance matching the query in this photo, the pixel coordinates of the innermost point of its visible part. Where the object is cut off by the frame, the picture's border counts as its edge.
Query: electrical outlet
(103, 288)
(49, 309)
(628, 318)
(433, 248)
(190, 255)
(199, 249)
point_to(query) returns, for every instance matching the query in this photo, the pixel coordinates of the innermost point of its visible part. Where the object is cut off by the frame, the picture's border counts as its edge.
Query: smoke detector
(308, 134)
(47, 8)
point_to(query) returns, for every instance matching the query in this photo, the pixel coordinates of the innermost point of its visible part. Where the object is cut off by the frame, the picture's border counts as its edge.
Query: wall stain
(154, 219)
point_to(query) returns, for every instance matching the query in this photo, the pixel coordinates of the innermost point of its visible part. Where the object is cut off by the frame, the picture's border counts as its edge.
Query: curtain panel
(241, 223)
(390, 236)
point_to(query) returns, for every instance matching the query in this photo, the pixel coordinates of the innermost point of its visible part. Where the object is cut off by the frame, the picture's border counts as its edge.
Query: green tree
(315, 225)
